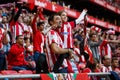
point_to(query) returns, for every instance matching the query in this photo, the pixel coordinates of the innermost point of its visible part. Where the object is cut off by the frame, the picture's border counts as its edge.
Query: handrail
(38, 75)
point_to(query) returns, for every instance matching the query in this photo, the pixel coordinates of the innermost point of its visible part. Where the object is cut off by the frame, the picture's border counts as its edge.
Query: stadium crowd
(115, 3)
(31, 40)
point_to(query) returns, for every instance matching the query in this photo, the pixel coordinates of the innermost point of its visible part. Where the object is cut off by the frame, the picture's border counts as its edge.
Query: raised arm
(81, 16)
(34, 28)
(93, 44)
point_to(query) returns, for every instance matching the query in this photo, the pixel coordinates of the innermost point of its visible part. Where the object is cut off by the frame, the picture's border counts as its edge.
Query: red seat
(9, 72)
(34, 72)
(9, 67)
(25, 72)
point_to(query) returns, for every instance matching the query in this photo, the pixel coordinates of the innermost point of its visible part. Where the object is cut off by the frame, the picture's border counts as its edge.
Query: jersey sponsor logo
(65, 33)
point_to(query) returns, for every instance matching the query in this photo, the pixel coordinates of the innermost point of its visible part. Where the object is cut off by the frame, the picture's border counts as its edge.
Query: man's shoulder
(14, 45)
(52, 32)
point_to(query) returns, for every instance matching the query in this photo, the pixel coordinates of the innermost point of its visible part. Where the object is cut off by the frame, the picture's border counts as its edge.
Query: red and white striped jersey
(27, 30)
(72, 66)
(69, 76)
(1, 37)
(105, 69)
(81, 57)
(88, 50)
(7, 28)
(53, 37)
(16, 29)
(105, 49)
(66, 34)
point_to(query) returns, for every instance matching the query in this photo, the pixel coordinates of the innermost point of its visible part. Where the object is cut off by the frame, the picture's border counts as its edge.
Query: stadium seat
(34, 72)
(25, 72)
(9, 72)
(9, 67)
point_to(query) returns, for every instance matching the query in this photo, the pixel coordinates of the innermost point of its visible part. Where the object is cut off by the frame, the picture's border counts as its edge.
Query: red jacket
(16, 56)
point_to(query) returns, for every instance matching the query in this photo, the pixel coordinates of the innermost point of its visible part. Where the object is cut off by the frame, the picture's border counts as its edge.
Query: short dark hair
(114, 58)
(17, 37)
(51, 18)
(91, 35)
(40, 23)
(103, 58)
(26, 38)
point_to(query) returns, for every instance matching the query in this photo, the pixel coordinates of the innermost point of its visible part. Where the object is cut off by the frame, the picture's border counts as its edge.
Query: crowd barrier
(38, 75)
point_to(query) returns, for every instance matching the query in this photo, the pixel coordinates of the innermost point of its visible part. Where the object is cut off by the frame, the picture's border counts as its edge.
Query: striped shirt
(16, 29)
(105, 49)
(105, 69)
(66, 34)
(53, 37)
(1, 37)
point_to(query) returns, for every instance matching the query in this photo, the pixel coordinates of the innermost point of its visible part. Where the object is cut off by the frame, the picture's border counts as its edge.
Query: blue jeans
(64, 70)
(36, 55)
(30, 57)
(6, 48)
(41, 63)
(17, 68)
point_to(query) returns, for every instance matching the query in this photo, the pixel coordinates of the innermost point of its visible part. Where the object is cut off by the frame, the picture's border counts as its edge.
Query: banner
(106, 5)
(52, 6)
(65, 76)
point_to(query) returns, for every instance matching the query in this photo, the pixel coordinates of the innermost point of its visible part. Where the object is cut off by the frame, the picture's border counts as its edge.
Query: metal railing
(38, 75)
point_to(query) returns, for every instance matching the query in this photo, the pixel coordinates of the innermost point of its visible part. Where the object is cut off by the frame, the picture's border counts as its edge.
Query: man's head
(115, 62)
(40, 25)
(20, 40)
(118, 49)
(4, 19)
(63, 16)
(106, 61)
(93, 37)
(26, 19)
(55, 21)
(20, 19)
